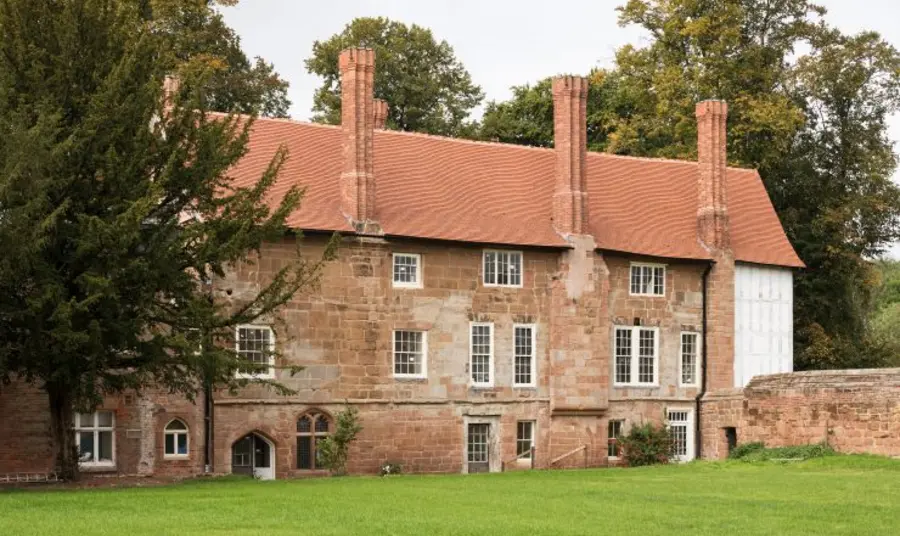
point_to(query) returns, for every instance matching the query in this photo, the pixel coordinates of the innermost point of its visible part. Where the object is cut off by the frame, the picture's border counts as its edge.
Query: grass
(832, 495)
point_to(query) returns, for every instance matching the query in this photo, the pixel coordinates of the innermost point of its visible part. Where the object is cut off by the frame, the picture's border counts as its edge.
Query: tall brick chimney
(381, 113)
(357, 67)
(171, 87)
(712, 207)
(570, 140)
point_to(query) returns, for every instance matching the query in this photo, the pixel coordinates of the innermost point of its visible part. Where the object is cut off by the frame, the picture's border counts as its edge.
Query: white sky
(501, 42)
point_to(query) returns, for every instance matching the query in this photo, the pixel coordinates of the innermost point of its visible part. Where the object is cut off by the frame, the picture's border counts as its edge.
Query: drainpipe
(208, 427)
(698, 447)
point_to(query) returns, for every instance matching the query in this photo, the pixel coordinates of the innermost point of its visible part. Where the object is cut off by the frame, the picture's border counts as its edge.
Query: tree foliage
(807, 107)
(117, 215)
(202, 42)
(426, 87)
(335, 449)
(647, 444)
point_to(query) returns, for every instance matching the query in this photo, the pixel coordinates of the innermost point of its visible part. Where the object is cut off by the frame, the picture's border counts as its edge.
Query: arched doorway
(253, 455)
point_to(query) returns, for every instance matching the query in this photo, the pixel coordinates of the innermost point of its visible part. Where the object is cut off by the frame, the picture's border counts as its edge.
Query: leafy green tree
(202, 42)
(426, 87)
(117, 216)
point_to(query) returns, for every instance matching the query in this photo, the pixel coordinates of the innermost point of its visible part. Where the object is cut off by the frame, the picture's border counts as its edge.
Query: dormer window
(648, 279)
(502, 268)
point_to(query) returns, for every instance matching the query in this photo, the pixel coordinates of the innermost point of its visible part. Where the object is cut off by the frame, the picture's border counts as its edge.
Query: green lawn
(837, 495)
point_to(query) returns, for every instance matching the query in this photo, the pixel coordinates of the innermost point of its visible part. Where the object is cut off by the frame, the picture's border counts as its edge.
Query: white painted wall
(763, 321)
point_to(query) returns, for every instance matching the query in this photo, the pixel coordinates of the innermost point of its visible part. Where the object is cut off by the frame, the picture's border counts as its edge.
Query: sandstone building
(493, 306)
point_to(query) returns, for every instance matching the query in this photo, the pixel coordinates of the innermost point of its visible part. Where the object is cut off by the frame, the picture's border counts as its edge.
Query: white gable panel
(763, 321)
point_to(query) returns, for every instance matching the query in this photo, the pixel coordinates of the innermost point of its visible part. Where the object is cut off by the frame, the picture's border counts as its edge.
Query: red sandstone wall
(853, 410)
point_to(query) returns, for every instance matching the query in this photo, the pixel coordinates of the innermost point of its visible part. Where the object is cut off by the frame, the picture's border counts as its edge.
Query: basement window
(524, 439)
(410, 349)
(614, 431)
(502, 268)
(636, 352)
(407, 270)
(95, 437)
(312, 428)
(648, 279)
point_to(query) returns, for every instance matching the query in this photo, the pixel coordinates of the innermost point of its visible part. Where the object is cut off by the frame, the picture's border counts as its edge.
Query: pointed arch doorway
(253, 455)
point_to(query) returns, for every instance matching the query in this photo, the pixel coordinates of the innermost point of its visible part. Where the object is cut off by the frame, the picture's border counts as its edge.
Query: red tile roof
(448, 189)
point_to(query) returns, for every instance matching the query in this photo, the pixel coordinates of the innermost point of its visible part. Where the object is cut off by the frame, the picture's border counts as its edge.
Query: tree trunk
(62, 430)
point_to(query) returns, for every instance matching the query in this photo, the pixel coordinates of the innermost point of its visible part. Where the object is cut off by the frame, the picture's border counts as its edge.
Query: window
(95, 439)
(407, 270)
(176, 440)
(503, 268)
(524, 373)
(680, 428)
(312, 428)
(256, 344)
(410, 349)
(690, 349)
(481, 354)
(648, 279)
(614, 432)
(524, 439)
(636, 351)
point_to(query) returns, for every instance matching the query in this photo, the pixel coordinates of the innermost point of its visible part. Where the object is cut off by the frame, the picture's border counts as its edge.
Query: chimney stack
(357, 68)
(381, 113)
(570, 142)
(712, 211)
(171, 86)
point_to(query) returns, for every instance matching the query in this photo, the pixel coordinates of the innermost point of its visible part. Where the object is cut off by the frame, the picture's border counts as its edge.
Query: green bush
(800, 452)
(744, 449)
(646, 444)
(333, 451)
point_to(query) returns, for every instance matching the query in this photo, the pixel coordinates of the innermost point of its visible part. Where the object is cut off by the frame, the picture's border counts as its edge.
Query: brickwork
(853, 410)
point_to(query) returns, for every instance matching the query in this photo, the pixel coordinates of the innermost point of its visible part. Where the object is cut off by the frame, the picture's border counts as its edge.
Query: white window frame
(175, 433)
(689, 438)
(95, 429)
(610, 439)
(533, 382)
(484, 273)
(634, 373)
(403, 284)
(270, 374)
(697, 353)
(424, 367)
(533, 440)
(491, 359)
(651, 266)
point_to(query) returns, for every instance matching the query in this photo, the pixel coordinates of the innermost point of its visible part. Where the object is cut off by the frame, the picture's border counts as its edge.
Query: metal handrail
(570, 453)
(530, 453)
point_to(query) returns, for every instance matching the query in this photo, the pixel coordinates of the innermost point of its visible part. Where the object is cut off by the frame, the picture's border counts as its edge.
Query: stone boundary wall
(855, 411)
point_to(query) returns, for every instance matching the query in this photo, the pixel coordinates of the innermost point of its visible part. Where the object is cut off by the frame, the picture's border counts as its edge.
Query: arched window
(312, 428)
(177, 440)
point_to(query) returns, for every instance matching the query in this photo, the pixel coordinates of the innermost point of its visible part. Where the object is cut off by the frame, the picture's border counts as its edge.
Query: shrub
(742, 450)
(799, 452)
(334, 449)
(391, 468)
(646, 444)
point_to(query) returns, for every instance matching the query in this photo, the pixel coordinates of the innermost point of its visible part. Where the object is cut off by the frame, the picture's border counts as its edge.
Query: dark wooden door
(479, 451)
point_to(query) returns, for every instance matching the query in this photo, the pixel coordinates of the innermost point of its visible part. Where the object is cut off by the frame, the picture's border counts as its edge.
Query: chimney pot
(381, 113)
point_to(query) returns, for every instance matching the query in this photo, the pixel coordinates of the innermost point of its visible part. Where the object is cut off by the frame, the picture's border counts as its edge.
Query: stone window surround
(95, 429)
(271, 358)
(490, 354)
(418, 283)
(186, 431)
(424, 364)
(511, 253)
(533, 328)
(697, 353)
(635, 353)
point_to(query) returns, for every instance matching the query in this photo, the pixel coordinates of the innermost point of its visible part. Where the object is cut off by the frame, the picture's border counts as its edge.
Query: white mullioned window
(690, 354)
(481, 354)
(410, 354)
(407, 270)
(96, 438)
(524, 373)
(502, 268)
(648, 279)
(636, 355)
(177, 440)
(256, 344)
(679, 422)
(524, 439)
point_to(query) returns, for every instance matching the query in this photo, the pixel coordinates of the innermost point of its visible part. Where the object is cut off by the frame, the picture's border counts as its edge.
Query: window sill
(481, 386)
(268, 376)
(635, 385)
(646, 295)
(488, 285)
(176, 457)
(410, 378)
(97, 467)
(525, 386)
(406, 287)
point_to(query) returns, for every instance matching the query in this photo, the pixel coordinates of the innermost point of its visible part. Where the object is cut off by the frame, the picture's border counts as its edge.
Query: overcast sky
(501, 42)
